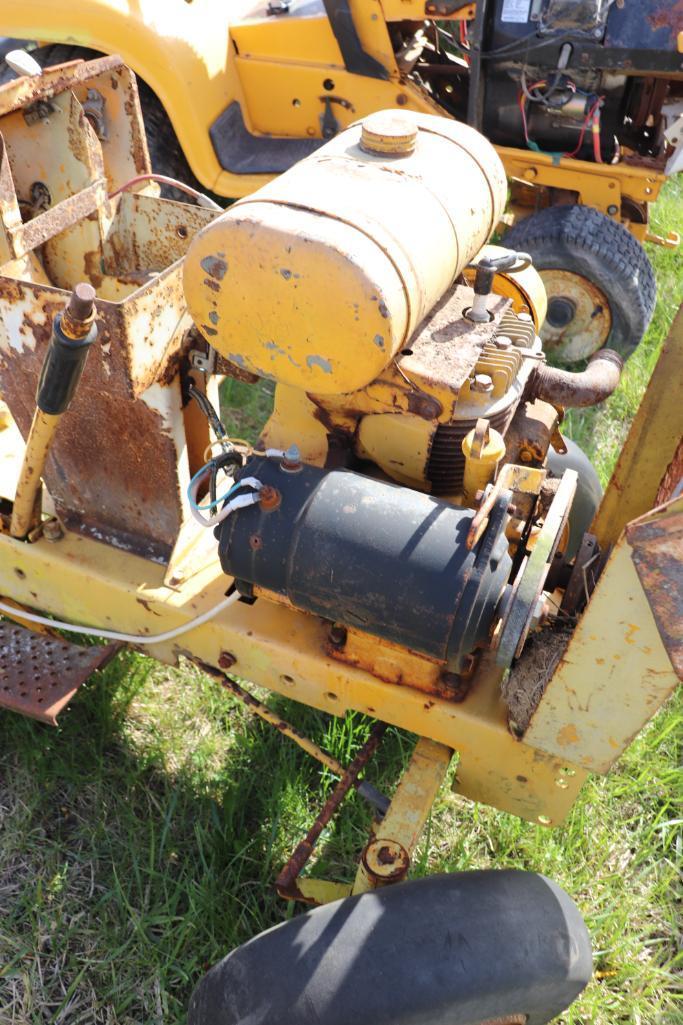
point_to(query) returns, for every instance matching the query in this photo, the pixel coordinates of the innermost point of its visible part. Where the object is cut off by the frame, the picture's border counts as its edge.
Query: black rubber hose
(573, 391)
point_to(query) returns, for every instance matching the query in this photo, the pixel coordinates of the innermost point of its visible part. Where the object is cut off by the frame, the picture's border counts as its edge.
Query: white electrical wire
(238, 502)
(113, 635)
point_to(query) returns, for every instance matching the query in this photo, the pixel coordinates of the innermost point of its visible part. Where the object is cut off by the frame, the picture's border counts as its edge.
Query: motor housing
(369, 554)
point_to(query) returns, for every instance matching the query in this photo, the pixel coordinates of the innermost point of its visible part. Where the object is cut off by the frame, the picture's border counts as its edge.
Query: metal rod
(286, 880)
(26, 509)
(73, 332)
(366, 790)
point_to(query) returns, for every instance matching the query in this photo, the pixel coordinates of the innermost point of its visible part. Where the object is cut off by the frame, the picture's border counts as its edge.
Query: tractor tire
(165, 152)
(600, 283)
(588, 491)
(461, 949)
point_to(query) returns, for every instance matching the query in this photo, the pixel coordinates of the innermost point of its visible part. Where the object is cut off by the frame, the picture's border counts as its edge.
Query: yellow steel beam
(598, 185)
(386, 858)
(651, 444)
(616, 671)
(82, 581)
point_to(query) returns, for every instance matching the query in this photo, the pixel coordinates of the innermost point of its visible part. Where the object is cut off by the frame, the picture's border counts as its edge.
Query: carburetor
(402, 490)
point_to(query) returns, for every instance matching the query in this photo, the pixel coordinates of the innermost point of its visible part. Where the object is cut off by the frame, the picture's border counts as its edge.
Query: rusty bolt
(455, 686)
(226, 659)
(526, 455)
(269, 498)
(385, 861)
(52, 530)
(482, 383)
(338, 635)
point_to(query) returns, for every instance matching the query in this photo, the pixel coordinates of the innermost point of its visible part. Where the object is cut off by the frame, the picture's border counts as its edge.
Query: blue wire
(211, 505)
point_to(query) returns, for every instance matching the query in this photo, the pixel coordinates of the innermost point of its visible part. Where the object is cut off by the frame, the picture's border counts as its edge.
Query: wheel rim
(579, 318)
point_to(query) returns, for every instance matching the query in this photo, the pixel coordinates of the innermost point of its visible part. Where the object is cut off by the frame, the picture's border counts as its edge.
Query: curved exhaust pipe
(576, 390)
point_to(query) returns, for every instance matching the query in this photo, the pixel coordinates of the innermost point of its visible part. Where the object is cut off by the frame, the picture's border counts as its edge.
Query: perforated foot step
(39, 674)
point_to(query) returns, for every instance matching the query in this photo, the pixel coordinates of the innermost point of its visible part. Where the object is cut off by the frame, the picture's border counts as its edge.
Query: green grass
(140, 840)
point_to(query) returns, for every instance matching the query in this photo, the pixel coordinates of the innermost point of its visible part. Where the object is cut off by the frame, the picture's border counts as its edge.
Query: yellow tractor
(580, 97)
(407, 539)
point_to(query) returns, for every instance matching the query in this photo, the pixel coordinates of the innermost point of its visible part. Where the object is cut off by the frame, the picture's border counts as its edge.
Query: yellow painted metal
(294, 420)
(483, 449)
(411, 804)
(181, 50)
(651, 444)
(25, 512)
(199, 57)
(86, 582)
(399, 445)
(599, 185)
(5, 416)
(338, 245)
(322, 891)
(591, 323)
(613, 676)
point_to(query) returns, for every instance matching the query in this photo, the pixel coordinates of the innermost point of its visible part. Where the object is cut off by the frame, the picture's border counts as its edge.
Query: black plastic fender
(447, 950)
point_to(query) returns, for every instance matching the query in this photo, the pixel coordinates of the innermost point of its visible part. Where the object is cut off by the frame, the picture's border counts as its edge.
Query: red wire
(587, 121)
(162, 179)
(592, 118)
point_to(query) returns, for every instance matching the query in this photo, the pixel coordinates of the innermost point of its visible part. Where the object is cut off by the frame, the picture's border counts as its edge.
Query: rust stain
(630, 636)
(215, 267)
(669, 15)
(567, 735)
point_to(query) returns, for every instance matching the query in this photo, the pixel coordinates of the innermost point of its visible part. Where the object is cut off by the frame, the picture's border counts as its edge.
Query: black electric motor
(372, 555)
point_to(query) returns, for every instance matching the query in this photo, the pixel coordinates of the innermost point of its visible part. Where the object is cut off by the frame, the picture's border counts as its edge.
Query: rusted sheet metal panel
(22, 92)
(671, 483)
(613, 676)
(57, 219)
(40, 674)
(113, 471)
(657, 544)
(118, 467)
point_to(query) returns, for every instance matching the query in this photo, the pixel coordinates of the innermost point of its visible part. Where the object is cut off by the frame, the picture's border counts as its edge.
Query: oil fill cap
(389, 133)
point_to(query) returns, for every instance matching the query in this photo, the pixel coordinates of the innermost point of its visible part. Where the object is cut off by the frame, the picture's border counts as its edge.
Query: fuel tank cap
(388, 132)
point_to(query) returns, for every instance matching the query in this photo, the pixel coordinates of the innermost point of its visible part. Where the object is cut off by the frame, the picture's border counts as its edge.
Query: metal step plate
(40, 674)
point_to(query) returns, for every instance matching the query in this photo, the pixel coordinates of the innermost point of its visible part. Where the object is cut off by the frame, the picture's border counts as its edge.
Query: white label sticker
(516, 11)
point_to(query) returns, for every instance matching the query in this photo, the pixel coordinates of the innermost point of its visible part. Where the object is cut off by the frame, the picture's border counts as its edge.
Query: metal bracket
(205, 362)
(329, 126)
